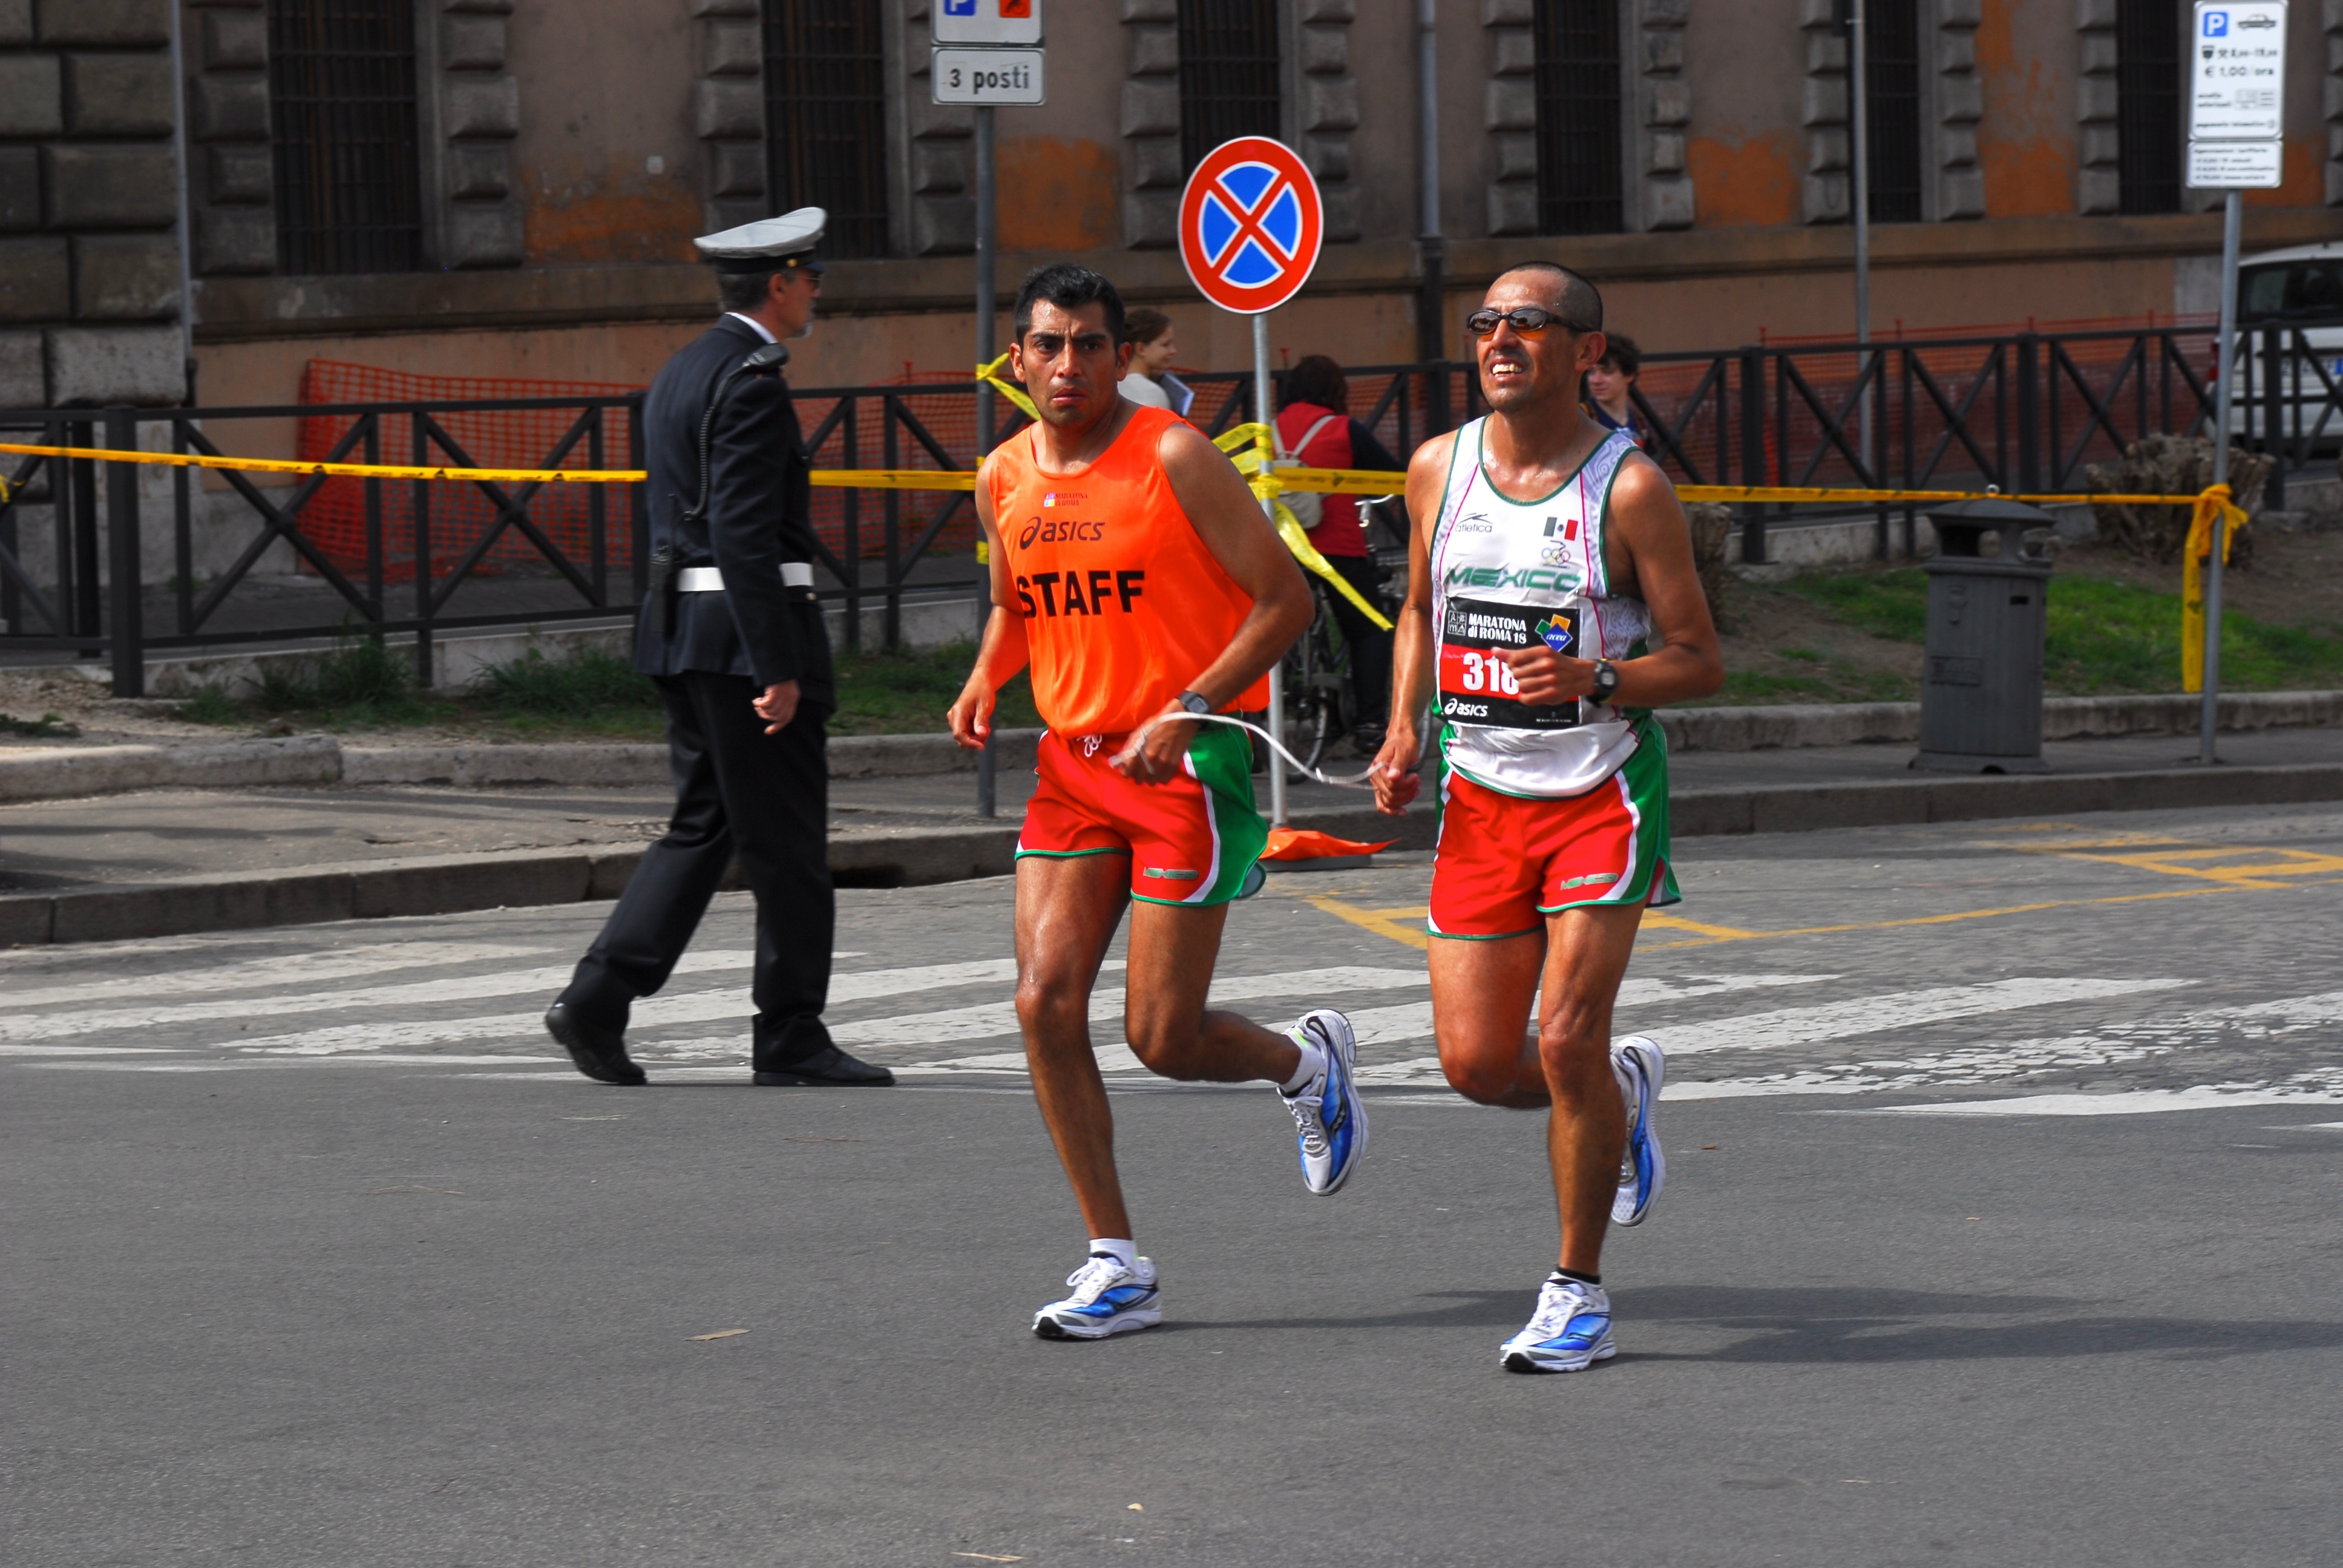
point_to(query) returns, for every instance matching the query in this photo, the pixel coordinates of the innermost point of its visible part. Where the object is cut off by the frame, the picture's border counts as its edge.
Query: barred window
(1228, 74)
(1578, 116)
(826, 117)
(2148, 105)
(1891, 80)
(341, 91)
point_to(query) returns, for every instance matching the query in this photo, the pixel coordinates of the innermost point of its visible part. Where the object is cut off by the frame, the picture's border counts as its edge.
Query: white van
(2280, 289)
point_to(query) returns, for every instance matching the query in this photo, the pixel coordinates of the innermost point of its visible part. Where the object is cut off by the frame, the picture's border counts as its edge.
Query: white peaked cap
(768, 243)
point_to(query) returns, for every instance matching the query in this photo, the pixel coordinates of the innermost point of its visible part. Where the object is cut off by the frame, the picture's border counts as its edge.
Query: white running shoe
(1569, 1331)
(1329, 1112)
(1108, 1298)
(1642, 1171)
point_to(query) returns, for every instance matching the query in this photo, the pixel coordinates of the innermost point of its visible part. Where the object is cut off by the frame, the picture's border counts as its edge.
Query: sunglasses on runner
(1529, 320)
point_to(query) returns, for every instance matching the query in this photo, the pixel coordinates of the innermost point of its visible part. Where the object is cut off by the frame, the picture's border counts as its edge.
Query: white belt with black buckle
(709, 580)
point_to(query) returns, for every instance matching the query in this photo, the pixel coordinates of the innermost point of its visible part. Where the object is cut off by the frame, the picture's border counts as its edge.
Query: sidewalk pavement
(169, 861)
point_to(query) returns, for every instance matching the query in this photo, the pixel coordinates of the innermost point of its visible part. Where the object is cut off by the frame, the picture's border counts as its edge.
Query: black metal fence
(398, 558)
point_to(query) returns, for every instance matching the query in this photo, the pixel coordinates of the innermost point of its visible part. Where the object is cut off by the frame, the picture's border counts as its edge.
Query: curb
(67, 772)
(62, 772)
(912, 857)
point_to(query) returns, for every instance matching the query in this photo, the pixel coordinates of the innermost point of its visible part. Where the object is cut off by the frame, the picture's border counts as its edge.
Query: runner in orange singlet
(1134, 570)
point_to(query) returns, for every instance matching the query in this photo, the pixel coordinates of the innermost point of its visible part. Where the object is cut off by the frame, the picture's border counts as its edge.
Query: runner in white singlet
(1546, 551)
(1492, 555)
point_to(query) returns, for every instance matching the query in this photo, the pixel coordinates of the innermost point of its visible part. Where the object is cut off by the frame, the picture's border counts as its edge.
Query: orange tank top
(1124, 604)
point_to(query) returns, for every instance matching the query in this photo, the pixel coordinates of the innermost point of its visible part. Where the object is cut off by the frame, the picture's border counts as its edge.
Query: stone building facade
(534, 172)
(91, 264)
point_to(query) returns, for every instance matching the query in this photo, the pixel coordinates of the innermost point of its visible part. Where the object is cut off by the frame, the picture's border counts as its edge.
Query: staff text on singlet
(1124, 603)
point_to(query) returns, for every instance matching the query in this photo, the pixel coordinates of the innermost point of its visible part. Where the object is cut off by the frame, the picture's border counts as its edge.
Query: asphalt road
(2002, 1228)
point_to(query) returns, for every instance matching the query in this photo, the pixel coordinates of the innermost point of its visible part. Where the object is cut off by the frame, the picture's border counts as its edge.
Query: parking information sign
(2237, 94)
(987, 76)
(1250, 225)
(995, 22)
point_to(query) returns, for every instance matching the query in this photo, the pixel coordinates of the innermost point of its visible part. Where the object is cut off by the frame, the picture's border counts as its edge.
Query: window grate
(1229, 75)
(341, 89)
(1891, 76)
(826, 117)
(2148, 105)
(1578, 116)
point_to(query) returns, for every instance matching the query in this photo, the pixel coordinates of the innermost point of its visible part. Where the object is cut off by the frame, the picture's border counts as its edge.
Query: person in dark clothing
(1314, 426)
(1607, 391)
(731, 632)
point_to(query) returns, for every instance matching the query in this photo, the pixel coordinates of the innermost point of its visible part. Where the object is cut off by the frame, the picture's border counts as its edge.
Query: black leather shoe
(828, 1067)
(600, 1053)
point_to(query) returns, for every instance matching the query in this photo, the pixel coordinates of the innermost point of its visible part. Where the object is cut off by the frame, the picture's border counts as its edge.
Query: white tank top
(1506, 574)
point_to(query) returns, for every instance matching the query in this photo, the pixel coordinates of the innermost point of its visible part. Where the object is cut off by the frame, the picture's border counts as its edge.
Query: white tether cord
(1361, 782)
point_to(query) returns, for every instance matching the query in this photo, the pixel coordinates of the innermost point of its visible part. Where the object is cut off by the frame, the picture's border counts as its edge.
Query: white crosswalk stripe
(547, 980)
(1901, 1010)
(288, 969)
(384, 1006)
(652, 1012)
(988, 1019)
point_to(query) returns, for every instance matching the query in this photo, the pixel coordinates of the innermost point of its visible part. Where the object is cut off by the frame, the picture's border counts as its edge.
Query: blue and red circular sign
(1250, 225)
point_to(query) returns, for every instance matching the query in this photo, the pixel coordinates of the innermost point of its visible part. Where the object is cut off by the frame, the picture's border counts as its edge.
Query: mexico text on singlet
(1506, 574)
(1124, 604)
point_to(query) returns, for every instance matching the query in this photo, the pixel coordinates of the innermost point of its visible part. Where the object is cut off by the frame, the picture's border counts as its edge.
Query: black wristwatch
(1194, 702)
(1606, 681)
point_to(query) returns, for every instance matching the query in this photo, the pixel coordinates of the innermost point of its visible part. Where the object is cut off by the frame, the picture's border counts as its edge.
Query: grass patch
(2103, 637)
(1893, 605)
(908, 691)
(48, 726)
(582, 692)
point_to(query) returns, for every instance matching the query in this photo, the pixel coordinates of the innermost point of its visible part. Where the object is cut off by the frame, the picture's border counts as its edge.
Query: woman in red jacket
(1314, 426)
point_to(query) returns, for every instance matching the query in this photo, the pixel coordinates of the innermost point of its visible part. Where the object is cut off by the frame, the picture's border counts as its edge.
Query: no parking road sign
(1250, 225)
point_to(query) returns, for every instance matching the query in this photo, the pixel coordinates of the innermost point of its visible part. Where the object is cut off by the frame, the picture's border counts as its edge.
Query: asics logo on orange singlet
(1079, 593)
(1058, 531)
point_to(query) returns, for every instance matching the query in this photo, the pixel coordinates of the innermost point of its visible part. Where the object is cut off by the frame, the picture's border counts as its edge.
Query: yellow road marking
(1384, 922)
(2187, 858)
(1678, 923)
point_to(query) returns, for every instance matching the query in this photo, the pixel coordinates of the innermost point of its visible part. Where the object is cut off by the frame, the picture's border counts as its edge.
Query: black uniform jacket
(759, 515)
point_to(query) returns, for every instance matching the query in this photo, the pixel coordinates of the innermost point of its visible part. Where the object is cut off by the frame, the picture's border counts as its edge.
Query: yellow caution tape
(2213, 504)
(1009, 389)
(1249, 448)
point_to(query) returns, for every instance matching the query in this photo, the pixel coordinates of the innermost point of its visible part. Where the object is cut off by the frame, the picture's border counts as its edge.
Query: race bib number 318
(1476, 683)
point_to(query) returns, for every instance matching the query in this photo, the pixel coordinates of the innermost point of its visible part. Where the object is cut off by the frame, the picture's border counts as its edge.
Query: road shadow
(1877, 1324)
(1859, 1323)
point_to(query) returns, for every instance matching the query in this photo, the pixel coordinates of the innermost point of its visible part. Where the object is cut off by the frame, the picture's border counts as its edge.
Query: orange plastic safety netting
(456, 515)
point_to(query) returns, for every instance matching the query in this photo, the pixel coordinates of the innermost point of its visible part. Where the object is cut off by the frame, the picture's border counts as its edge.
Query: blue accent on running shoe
(1647, 1166)
(1339, 1109)
(1583, 1332)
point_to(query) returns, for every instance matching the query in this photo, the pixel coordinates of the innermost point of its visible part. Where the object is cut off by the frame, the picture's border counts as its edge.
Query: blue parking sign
(2217, 24)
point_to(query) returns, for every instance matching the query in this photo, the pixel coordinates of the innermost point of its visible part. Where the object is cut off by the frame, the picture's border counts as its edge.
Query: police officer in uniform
(731, 632)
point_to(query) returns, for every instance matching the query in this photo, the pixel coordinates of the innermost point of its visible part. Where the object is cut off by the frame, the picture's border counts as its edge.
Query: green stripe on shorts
(1221, 755)
(1646, 775)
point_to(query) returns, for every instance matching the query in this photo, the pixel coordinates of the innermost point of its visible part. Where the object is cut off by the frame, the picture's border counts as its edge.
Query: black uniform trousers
(765, 798)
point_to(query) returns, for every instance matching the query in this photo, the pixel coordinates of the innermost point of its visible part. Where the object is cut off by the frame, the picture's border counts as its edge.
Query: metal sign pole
(2236, 142)
(1859, 86)
(1264, 409)
(2232, 225)
(986, 803)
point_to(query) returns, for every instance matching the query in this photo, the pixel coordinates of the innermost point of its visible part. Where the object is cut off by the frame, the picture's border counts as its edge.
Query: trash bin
(1981, 690)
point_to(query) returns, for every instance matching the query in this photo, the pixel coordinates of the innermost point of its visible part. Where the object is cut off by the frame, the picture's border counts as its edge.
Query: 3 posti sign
(2236, 95)
(987, 52)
